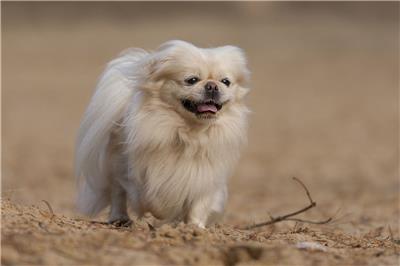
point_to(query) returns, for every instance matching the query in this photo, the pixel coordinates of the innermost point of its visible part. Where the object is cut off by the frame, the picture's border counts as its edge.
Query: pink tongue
(206, 108)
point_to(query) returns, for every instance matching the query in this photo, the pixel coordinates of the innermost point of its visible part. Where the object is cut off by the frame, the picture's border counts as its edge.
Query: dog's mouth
(206, 109)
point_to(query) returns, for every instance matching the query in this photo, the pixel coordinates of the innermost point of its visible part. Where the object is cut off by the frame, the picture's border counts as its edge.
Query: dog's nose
(211, 87)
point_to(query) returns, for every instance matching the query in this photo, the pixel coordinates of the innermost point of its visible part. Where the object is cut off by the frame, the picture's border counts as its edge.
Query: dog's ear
(236, 61)
(158, 65)
(153, 73)
(242, 92)
(154, 66)
(167, 54)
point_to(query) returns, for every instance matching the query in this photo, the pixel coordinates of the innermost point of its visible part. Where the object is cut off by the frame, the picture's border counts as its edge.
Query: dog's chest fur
(174, 164)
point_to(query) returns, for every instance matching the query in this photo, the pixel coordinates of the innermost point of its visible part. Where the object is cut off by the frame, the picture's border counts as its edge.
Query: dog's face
(200, 84)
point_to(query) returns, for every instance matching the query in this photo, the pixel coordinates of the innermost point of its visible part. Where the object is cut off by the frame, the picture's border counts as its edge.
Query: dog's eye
(192, 80)
(226, 82)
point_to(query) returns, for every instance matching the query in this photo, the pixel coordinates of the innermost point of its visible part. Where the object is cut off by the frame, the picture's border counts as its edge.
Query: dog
(163, 131)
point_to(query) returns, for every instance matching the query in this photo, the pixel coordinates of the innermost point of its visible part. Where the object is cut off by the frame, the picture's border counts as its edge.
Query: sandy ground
(325, 109)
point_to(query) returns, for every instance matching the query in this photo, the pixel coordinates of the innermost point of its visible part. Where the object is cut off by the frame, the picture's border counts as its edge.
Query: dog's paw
(198, 224)
(126, 222)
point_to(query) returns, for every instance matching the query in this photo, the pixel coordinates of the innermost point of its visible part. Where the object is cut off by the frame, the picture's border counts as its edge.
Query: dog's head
(199, 84)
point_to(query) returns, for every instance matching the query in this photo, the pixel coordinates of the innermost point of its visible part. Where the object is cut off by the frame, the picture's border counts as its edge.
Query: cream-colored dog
(163, 131)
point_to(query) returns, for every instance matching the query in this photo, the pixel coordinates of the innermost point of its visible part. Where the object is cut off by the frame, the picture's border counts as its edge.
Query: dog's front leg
(118, 212)
(199, 212)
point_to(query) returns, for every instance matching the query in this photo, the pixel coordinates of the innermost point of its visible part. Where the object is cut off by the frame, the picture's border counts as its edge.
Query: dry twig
(289, 217)
(50, 209)
(396, 241)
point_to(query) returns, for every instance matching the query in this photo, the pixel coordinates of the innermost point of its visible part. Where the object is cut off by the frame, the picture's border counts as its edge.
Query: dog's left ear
(242, 92)
(236, 60)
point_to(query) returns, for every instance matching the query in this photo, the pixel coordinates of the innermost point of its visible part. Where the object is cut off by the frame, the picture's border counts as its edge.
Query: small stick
(50, 208)
(288, 217)
(391, 234)
(310, 222)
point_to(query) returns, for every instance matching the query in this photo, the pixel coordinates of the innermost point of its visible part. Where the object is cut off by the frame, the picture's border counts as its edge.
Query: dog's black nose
(211, 86)
(211, 90)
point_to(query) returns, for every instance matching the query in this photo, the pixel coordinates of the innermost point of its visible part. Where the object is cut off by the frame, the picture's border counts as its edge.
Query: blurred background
(324, 97)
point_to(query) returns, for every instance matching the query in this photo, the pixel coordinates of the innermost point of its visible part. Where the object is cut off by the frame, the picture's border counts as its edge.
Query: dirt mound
(33, 235)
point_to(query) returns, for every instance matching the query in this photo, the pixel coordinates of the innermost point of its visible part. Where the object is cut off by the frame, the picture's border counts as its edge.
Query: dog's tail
(113, 91)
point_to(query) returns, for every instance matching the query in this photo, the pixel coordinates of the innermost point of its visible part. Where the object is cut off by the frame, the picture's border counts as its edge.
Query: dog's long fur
(137, 139)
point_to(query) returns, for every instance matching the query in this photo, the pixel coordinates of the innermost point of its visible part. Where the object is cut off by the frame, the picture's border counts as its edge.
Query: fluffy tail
(106, 108)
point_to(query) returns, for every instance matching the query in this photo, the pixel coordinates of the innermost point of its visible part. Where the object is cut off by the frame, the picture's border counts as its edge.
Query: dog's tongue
(201, 108)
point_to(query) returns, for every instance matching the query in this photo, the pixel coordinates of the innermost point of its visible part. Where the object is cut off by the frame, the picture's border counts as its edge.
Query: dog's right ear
(155, 66)
(156, 71)
(163, 61)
